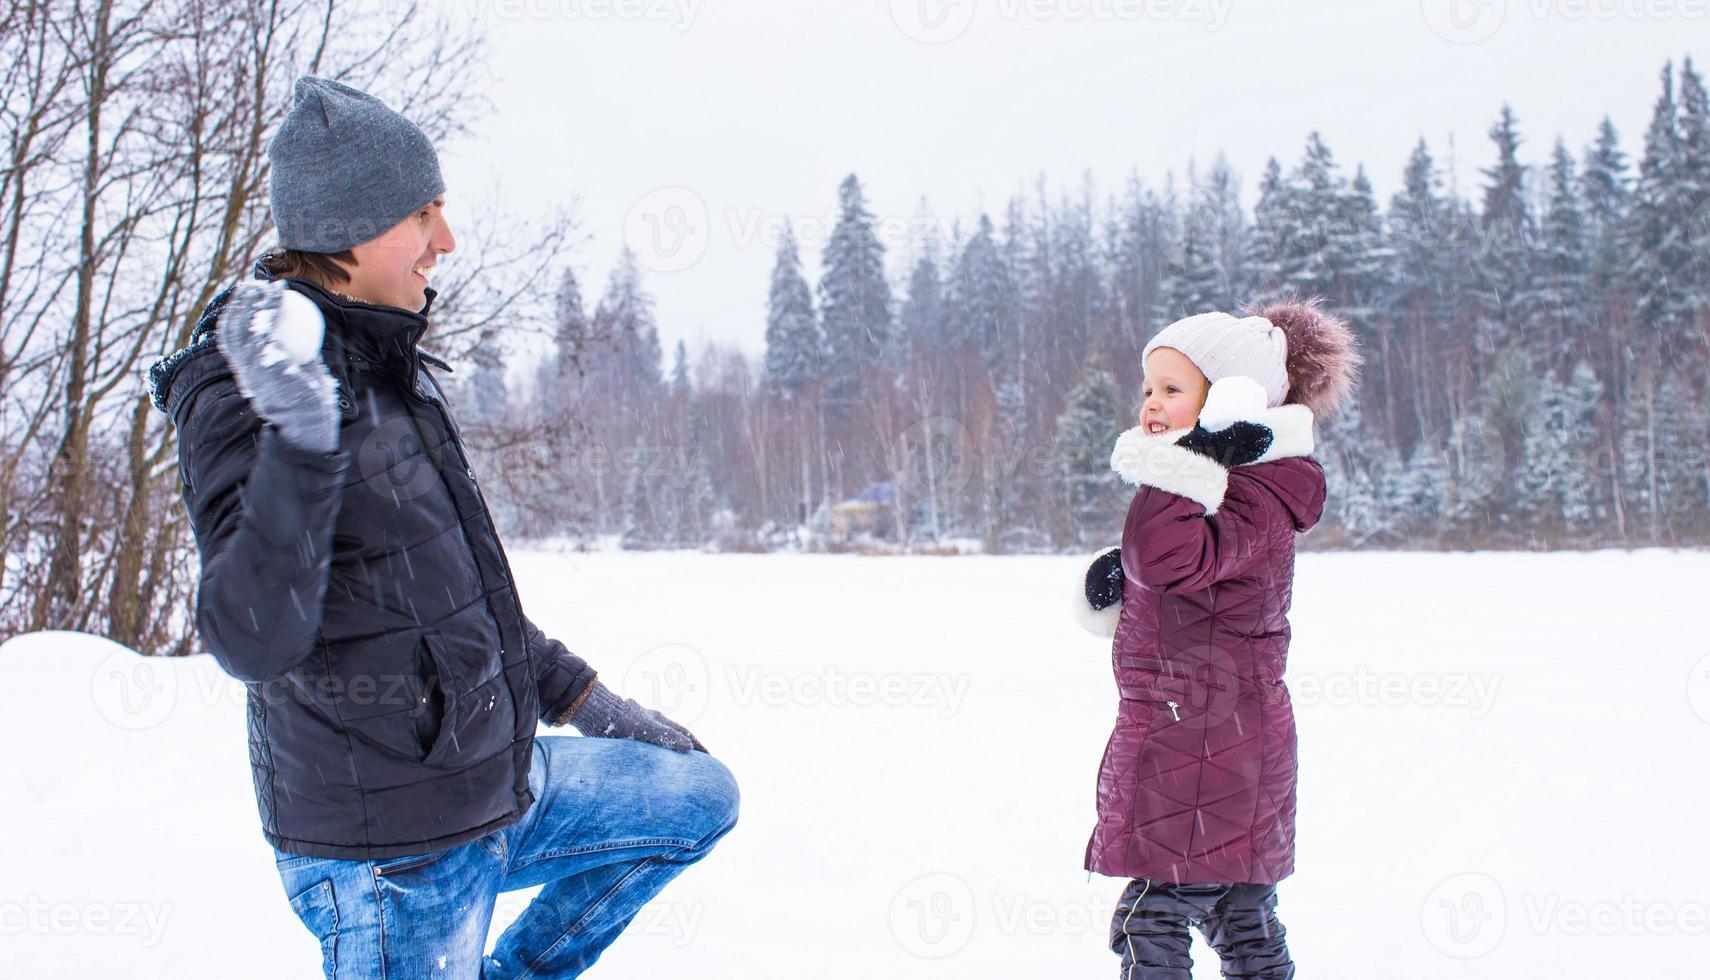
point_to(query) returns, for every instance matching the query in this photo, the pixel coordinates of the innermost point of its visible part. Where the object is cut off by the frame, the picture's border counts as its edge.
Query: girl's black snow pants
(1150, 930)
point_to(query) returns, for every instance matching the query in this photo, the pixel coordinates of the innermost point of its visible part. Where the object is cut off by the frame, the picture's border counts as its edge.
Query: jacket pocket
(1140, 662)
(400, 711)
(478, 717)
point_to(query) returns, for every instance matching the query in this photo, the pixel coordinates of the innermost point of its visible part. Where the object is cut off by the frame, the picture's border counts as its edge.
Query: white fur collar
(1156, 461)
(1291, 426)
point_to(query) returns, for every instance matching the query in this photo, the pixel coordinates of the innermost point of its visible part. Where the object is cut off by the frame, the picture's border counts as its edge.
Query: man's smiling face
(393, 269)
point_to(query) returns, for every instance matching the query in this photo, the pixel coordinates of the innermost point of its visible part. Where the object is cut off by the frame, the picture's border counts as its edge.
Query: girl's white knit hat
(1222, 345)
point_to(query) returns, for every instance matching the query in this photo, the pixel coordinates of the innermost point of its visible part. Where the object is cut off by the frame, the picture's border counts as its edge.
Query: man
(353, 579)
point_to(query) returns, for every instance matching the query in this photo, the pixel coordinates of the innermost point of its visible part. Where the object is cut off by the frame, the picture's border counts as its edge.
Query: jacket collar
(380, 333)
(1291, 431)
(1156, 461)
(367, 326)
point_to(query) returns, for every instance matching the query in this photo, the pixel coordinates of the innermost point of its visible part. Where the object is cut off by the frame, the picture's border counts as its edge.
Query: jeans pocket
(319, 912)
(410, 862)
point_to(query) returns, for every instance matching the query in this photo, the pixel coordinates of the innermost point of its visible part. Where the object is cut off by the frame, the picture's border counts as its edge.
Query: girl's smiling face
(1172, 392)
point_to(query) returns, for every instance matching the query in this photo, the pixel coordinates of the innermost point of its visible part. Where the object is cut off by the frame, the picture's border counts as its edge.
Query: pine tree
(1605, 339)
(1506, 232)
(980, 315)
(1320, 258)
(1554, 474)
(1086, 431)
(1024, 255)
(1354, 475)
(1193, 283)
(1662, 461)
(1417, 492)
(1582, 502)
(627, 339)
(1604, 185)
(571, 334)
(696, 500)
(680, 370)
(1416, 225)
(1220, 200)
(1140, 254)
(794, 351)
(1659, 242)
(560, 503)
(1418, 233)
(1272, 238)
(1558, 289)
(1693, 192)
(1077, 298)
(622, 395)
(855, 299)
(1366, 288)
(795, 365)
(921, 319)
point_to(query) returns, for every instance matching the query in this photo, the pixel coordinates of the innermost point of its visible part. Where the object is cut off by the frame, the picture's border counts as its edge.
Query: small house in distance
(868, 512)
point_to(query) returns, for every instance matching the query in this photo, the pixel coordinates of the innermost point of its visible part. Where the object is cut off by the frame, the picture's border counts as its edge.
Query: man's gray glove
(271, 336)
(603, 714)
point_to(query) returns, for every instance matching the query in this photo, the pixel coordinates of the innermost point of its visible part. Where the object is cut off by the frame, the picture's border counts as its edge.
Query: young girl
(1196, 792)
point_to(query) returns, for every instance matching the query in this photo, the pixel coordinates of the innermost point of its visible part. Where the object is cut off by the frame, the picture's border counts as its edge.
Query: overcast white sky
(695, 126)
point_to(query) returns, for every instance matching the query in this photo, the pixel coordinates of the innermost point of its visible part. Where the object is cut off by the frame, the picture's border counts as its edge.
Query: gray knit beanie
(346, 169)
(1222, 346)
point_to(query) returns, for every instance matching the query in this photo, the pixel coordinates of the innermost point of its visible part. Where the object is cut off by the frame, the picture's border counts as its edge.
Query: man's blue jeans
(613, 821)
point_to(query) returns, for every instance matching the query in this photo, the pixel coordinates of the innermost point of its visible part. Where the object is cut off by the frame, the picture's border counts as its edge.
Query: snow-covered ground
(1504, 773)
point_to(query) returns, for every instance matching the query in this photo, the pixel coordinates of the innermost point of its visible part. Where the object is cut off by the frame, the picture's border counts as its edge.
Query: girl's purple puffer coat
(1197, 783)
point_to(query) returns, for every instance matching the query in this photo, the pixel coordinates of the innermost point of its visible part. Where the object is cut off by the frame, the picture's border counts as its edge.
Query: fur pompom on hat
(1322, 363)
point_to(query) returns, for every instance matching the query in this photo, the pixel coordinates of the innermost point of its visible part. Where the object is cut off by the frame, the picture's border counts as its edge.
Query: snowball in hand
(1231, 400)
(299, 327)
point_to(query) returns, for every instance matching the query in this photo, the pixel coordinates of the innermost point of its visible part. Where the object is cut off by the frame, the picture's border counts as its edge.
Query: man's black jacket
(363, 597)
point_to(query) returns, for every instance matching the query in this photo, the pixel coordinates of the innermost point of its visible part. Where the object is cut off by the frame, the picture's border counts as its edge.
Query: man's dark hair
(322, 268)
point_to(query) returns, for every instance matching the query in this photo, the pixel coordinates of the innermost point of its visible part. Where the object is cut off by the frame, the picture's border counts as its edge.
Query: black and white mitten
(1235, 428)
(1100, 602)
(1226, 432)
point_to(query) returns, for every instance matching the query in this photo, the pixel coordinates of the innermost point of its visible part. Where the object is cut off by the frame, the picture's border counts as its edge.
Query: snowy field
(1503, 762)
